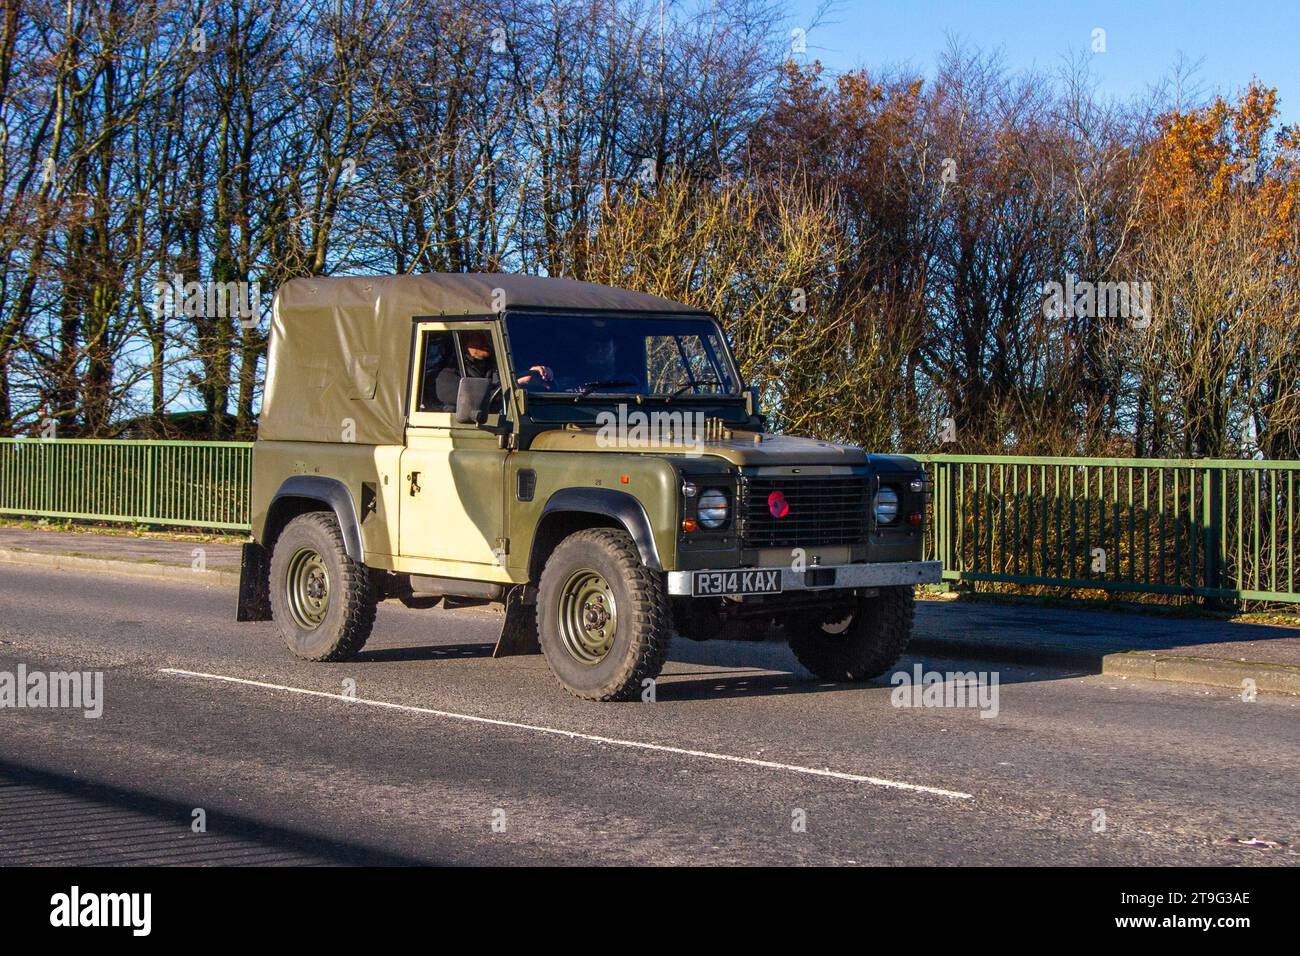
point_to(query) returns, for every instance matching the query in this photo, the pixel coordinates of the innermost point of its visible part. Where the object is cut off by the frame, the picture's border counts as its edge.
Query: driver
(480, 363)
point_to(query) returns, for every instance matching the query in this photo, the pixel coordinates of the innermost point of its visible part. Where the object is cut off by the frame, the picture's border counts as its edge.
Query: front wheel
(603, 617)
(857, 644)
(322, 601)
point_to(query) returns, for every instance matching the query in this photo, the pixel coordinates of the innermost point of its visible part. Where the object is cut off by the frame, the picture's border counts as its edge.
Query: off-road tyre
(876, 637)
(349, 615)
(643, 620)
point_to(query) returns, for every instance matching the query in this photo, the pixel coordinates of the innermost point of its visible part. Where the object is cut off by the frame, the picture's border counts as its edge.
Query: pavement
(86, 550)
(216, 746)
(1146, 645)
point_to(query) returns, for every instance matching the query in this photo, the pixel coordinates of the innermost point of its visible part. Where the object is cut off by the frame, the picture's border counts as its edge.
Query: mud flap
(519, 628)
(254, 583)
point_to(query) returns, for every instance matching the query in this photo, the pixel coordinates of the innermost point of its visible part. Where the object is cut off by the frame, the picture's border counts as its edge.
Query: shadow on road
(747, 668)
(736, 661)
(424, 652)
(49, 819)
(691, 686)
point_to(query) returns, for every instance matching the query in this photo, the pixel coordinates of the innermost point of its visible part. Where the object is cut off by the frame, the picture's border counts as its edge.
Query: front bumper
(883, 574)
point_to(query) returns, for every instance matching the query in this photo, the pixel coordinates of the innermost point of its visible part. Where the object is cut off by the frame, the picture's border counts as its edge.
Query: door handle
(414, 479)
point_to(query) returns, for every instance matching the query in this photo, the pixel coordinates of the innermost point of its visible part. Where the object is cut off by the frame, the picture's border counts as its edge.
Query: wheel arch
(300, 494)
(576, 509)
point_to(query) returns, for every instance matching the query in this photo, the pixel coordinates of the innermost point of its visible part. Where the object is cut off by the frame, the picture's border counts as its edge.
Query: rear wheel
(322, 601)
(857, 644)
(602, 615)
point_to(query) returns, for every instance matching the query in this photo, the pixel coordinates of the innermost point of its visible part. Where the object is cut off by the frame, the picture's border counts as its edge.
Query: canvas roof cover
(340, 348)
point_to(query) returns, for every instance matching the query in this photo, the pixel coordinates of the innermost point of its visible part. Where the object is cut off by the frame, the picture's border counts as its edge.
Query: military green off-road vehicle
(589, 457)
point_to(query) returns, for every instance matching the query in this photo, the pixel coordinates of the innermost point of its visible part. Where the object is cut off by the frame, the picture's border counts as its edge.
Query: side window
(439, 372)
(478, 359)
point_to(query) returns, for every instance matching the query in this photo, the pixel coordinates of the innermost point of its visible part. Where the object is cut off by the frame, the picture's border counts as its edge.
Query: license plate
(717, 583)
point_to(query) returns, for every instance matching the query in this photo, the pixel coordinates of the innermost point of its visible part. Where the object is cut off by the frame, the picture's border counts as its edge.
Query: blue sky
(1231, 40)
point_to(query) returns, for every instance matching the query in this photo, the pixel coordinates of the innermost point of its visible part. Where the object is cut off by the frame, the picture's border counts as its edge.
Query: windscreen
(651, 356)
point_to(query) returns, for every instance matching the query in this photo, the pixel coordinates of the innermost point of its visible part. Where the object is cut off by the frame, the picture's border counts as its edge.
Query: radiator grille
(824, 511)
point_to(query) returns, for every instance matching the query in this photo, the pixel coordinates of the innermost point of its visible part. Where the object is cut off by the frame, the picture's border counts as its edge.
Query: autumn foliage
(879, 244)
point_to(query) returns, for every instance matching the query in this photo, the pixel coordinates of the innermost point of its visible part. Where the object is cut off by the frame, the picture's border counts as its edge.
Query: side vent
(526, 484)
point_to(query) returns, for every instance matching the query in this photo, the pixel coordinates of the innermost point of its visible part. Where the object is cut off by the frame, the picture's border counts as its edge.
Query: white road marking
(577, 735)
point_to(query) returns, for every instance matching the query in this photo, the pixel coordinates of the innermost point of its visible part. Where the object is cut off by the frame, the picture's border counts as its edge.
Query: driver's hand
(538, 373)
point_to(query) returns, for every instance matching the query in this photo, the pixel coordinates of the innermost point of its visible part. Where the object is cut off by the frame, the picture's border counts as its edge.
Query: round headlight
(713, 508)
(886, 505)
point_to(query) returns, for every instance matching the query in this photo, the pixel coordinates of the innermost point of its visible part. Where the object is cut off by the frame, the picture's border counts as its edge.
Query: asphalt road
(449, 756)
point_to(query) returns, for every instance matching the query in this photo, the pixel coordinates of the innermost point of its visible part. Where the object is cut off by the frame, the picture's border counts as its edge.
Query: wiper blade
(586, 388)
(683, 388)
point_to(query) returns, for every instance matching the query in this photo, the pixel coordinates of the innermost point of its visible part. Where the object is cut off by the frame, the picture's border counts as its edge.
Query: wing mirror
(471, 400)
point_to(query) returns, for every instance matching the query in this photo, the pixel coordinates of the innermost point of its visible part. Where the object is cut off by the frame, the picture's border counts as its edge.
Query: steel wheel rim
(835, 628)
(588, 618)
(307, 588)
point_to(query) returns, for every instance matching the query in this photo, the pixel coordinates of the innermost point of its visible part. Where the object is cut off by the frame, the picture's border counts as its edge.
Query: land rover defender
(586, 456)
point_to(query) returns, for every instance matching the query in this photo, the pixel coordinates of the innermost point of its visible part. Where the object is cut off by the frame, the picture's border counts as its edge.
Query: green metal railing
(189, 484)
(1210, 528)
(1203, 528)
